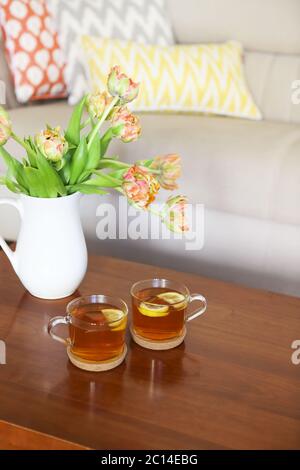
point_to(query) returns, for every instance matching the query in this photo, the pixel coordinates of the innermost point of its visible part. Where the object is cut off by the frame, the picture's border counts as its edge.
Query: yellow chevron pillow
(198, 78)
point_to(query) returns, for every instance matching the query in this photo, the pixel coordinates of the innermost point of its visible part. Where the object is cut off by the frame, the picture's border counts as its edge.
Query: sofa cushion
(197, 78)
(256, 24)
(33, 53)
(272, 60)
(245, 167)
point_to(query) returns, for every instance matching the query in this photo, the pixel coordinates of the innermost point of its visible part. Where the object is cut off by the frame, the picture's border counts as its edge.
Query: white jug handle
(12, 256)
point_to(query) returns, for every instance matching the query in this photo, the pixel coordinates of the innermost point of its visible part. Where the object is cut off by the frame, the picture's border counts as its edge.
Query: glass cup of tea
(159, 313)
(97, 327)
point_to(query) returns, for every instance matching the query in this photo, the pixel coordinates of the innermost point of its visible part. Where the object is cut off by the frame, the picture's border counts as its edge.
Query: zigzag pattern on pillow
(144, 21)
(205, 78)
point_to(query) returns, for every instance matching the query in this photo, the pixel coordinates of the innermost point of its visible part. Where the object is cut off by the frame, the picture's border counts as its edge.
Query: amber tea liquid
(97, 332)
(158, 313)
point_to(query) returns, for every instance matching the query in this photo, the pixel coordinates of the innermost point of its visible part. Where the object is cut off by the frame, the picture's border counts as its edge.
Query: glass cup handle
(196, 314)
(53, 323)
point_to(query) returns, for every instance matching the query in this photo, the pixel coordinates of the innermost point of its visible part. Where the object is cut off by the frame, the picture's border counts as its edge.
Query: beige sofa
(246, 173)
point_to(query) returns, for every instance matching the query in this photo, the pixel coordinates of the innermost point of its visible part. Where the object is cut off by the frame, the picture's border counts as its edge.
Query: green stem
(102, 120)
(154, 212)
(105, 141)
(147, 167)
(155, 172)
(106, 163)
(23, 144)
(107, 135)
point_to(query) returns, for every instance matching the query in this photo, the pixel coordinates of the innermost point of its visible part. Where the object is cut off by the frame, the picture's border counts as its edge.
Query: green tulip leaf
(85, 175)
(78, 162)
(15, 168)
(86, 189)
(37, 186)
(146, 163)
(118, 174)
(94, 154)
(73, 131)
(105, 181)
(117, 130)
(105, 141)
(60, 164)
(111, 157)
(50, 177)
(113, 164)
(65, 171)
(31, 154)
(12, 186)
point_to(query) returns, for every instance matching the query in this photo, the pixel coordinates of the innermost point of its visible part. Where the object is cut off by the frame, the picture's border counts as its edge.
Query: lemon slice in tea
(151, 310)
(173, 298)
(114, 316)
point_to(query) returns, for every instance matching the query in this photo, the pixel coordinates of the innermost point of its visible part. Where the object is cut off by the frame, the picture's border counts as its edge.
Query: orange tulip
(174, 213)
(52, 144)
(96, 103)
(122, 86)
(140, 187)
(170, 170)
(5, 126)
(126, 126)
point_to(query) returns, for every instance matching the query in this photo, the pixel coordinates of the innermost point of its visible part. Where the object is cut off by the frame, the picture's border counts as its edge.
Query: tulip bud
(125, 125)
(96, 103)
(52, 144)
(5, 126)
(140, 187)
(174, 214)
(169, 167)
(122, 86)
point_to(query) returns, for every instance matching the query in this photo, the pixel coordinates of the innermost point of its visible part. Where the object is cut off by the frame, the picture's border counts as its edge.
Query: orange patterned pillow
(34, 56)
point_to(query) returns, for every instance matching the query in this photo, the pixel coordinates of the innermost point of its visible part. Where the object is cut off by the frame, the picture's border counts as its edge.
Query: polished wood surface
(231, 384)
(14, 437)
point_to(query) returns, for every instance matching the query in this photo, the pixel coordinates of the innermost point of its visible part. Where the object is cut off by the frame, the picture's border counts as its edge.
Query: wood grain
(14, 437)
(230, 385)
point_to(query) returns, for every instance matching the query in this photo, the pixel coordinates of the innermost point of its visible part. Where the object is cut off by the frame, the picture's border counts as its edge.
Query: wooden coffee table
(230, 385)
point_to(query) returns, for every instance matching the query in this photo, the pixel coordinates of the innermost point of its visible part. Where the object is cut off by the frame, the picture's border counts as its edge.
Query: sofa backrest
(270, 78)
(270, 33)
(5, 77)
(260, 25)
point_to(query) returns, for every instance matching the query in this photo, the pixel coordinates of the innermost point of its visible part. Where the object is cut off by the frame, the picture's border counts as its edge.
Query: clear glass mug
(97, 327)
(159, 312)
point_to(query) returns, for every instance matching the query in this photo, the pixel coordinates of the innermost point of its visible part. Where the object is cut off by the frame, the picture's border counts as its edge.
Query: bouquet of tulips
(58, 164)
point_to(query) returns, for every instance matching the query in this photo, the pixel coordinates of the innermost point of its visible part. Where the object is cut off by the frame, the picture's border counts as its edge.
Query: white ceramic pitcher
(51, 256)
